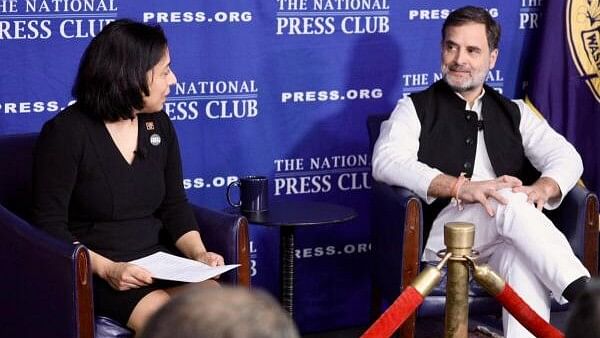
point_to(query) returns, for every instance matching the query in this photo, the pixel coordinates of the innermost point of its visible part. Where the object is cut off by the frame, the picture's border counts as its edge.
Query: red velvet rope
(395, 315)
(526, 315)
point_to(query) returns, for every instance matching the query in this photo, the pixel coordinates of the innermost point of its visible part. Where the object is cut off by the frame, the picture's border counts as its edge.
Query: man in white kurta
(512, 234)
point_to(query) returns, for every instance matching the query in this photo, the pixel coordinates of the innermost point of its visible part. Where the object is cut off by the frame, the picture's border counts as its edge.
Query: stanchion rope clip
(472, 257)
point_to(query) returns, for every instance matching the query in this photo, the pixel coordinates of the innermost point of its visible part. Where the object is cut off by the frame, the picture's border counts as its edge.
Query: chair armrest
(227, 235)
(397, 236)
(46, 283)
(577, 218)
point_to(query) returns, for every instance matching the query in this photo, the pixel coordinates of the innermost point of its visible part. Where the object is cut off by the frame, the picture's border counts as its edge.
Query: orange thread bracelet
(456, 188)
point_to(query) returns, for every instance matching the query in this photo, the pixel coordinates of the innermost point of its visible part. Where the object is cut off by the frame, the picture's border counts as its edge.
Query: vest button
(468, 141)
(470, 115)
(467, 165)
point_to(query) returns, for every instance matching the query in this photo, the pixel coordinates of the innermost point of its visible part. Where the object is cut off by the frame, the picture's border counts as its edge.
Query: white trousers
(522, 245)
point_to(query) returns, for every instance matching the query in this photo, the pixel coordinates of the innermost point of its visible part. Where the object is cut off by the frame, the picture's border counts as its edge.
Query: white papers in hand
(166, 266)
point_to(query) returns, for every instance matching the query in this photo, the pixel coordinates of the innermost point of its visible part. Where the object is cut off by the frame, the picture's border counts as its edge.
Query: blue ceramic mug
(254, 193)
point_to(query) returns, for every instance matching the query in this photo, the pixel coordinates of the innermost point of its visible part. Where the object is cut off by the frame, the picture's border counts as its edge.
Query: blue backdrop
(274, 87)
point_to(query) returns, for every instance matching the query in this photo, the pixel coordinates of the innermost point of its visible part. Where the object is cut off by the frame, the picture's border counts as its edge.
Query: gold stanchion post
(459, 238)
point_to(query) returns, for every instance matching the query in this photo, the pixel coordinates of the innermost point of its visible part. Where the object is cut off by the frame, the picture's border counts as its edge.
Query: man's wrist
(549, 186)
(460, 181)
(458, 184)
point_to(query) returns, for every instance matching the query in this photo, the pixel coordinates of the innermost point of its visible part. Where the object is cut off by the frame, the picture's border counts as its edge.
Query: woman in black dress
(107, 171)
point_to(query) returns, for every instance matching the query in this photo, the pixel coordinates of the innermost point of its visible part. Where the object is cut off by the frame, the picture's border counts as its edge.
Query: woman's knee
(146, 307)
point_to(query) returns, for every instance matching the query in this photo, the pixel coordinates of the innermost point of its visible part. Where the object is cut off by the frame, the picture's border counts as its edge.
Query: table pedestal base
(287, 266)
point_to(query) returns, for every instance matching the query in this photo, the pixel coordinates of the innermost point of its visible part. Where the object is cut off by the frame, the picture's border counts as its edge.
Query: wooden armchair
(47, 284)
(398, 239)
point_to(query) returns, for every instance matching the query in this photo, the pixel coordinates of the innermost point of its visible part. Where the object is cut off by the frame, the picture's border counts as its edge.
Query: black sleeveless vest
(448, 138)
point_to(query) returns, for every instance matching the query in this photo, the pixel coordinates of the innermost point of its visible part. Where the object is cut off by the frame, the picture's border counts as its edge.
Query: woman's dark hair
(472, 14)
(111, 81)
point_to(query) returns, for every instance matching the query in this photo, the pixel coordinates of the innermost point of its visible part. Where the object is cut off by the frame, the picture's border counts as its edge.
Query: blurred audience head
(224, 312)
(584, 319)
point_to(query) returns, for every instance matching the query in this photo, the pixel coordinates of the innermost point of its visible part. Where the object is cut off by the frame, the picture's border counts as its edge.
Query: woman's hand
(191, 246)
(124, 276)
(210, 258)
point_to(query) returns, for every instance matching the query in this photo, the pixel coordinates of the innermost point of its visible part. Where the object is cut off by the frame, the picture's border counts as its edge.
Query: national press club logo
(529, 14)
(46, 19)
(322, 174)
(583, 26)
(213, 100)
(326, 17)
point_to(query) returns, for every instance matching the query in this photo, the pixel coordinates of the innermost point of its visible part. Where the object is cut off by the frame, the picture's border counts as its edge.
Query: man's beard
(477, 79)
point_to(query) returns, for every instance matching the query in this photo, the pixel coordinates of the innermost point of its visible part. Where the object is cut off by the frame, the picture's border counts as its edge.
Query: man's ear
(493, 58)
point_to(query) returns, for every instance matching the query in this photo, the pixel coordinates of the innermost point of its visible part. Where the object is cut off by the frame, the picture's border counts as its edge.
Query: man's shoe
(573, 290)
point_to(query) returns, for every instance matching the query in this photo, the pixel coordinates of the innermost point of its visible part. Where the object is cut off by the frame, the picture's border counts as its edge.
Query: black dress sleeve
(55, 168)
(175, 212)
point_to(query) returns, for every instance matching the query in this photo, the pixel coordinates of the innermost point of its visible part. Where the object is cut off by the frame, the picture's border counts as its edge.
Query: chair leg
(590, 251)
(407, 330)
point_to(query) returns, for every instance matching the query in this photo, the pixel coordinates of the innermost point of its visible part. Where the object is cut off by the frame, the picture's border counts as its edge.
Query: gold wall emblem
(583, 27)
